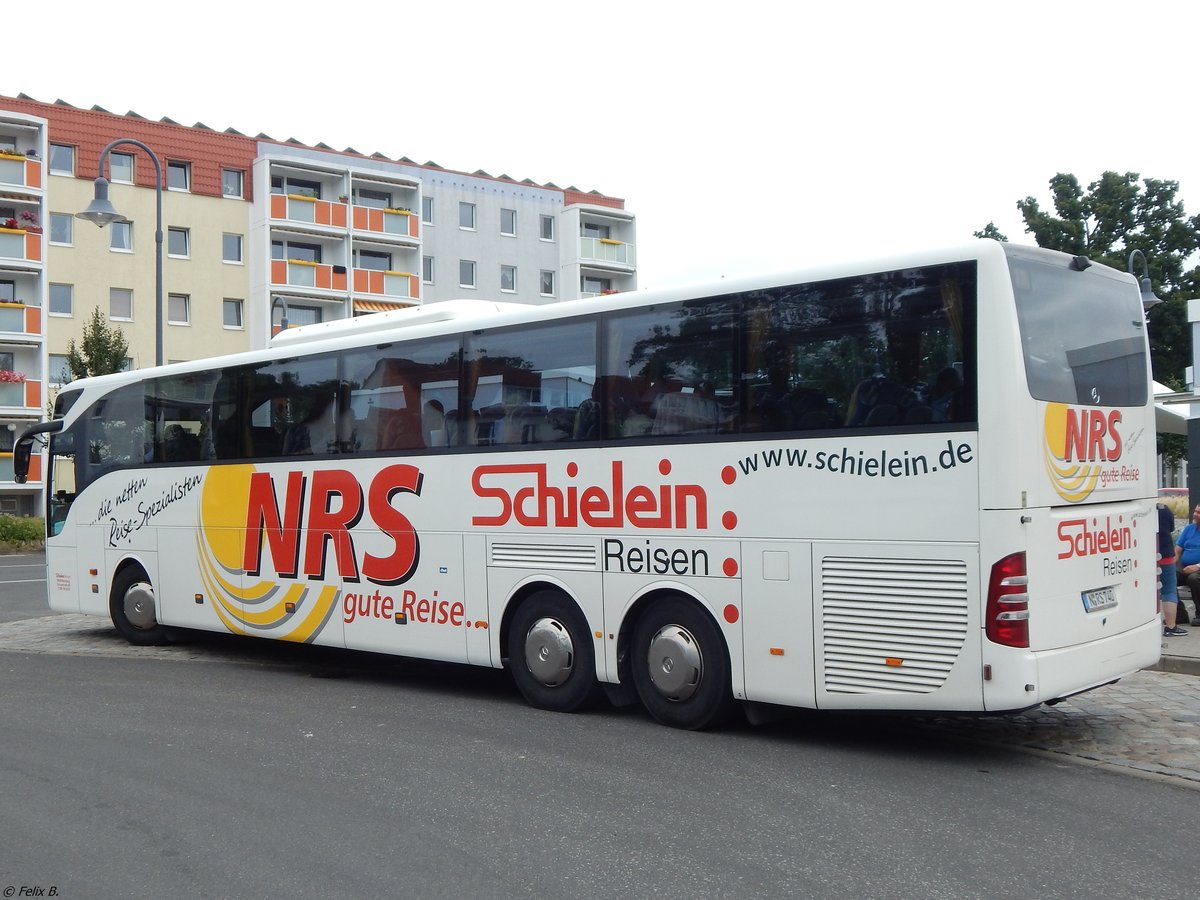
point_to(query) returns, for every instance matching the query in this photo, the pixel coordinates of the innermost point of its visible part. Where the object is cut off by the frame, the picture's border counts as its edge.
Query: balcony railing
(397, 285)
(308, 210)
(17, 318)
(16, 243)
(20, 171)
(607, 250)
(398, 222)
(301, 273)
(21, 394)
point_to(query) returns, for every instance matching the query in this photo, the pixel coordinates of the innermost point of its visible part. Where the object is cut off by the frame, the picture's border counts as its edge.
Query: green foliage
(1116, 215)
(101, 351)
(21, 534)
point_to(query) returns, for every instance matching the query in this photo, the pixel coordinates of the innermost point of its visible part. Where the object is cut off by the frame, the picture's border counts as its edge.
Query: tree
(1117, 215)
(101, 351)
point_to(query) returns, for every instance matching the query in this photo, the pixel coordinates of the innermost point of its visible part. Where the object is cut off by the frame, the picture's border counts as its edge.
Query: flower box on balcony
(611, 241)
(5, 154)
(399, 212)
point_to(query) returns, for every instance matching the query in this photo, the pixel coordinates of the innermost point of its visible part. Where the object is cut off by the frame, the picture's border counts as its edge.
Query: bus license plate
(1100, 598)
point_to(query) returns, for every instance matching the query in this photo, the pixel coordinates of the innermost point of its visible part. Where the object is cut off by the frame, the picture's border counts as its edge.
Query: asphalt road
(277, 771)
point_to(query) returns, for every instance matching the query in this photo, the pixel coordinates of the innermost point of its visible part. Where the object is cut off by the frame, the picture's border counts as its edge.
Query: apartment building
(254, 231)
(23, 292)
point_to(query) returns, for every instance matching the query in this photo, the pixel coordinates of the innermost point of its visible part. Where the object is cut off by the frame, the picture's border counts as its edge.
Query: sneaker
(1174, 632)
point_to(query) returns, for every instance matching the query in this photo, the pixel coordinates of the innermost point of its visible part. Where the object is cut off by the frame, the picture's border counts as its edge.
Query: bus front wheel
(550, 653)
(133, 609)
(680, 667)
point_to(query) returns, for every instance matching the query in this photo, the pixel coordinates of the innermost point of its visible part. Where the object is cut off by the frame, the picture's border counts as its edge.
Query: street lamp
(1149, 298)
(102, 213)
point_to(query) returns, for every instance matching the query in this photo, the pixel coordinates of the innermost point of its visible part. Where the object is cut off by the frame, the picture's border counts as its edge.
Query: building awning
(1171, 410)
(374, 306)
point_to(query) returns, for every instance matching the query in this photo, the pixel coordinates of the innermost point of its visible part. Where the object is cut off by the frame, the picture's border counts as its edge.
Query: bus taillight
(1007, 616)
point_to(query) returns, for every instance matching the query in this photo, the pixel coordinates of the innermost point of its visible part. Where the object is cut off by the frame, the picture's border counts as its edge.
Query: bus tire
(680, 666)
(551, 655)
(133, 610)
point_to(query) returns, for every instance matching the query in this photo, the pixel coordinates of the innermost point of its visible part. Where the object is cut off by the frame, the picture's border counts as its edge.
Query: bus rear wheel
(133, 610)
(551, 655)
(680, 667)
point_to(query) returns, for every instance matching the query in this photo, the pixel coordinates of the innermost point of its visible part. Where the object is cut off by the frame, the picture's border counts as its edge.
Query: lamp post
(1149, 298)
(102, 213)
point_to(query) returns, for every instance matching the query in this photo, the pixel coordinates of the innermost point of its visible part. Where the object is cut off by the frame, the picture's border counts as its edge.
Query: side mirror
(23, 449)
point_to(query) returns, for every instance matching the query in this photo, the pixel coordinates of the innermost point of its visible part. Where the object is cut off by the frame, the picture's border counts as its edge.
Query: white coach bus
(921, 483)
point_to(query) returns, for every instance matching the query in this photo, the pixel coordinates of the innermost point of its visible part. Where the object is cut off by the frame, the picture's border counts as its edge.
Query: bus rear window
(1082, 333)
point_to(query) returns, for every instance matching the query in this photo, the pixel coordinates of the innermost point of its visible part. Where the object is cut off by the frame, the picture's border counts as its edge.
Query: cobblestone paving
(1147, 723)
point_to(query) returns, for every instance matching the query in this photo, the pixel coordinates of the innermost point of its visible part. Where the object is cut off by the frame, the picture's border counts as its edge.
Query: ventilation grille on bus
(544, 556)
(891, 625)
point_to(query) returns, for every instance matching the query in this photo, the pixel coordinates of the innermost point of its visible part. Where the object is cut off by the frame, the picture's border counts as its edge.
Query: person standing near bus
(1167, 579)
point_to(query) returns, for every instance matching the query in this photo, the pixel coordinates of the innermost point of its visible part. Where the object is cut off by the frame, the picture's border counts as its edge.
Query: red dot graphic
(729, 474)
(572, 469)
(731, 613)
(729, 521)
(665, 467)
(730, 567)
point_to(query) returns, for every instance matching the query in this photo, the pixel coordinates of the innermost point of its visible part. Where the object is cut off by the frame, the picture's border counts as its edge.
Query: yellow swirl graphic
(1072, 481)
(291, 612)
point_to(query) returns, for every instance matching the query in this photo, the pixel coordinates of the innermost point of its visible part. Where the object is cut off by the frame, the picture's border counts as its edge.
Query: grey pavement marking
(1146, 724)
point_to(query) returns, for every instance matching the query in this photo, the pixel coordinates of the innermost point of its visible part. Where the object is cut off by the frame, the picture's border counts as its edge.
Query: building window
(296, 250)
(120, 304)
(231, 311)
(299, 186)
(427, 210)
(178, 242)
(179, 176)
(58, 370)
(508, 221)
(466, 215)
(466, 273)
(297, 315)
(231, 182)
(427, 269)
(121, 236)
(375, 260)
(8, 291)
(508, 279)
(8, 144)
(596, 230)
(62, 159)
(62, 299)
(62, 228)
(179, 309)
(375, 199)
(231, 248)
(547, 228)
(120, 168)
(592, 285)
(546, 286)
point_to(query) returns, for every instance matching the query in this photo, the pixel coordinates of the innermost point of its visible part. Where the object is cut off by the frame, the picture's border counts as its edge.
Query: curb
(1177, 665)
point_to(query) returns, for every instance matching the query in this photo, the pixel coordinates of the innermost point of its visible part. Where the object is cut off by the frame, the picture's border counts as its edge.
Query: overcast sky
(742, 135)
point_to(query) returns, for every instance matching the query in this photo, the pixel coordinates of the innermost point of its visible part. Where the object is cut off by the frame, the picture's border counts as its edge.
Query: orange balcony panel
(324, 277)
(337, 215)
(278, 206)
(414, 285)
(33, 173)
(375, 220)
(35, 467)
(360, 218)
(322, 215)
(339, 281)
(376, 283)
(279, 271)
(33, 320)
(360, 280)
(413, 226)
(33, 394)
(33, 247)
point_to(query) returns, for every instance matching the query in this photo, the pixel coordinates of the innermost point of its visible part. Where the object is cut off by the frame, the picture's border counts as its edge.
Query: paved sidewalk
(1148, 723)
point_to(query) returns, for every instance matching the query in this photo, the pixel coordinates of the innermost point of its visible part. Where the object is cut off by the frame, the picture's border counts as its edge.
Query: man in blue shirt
(1187, 557)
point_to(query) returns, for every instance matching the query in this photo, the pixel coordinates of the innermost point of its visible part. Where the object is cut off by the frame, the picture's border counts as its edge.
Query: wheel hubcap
(676, 665)
(549, 652)
(139, 606)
